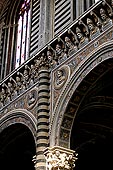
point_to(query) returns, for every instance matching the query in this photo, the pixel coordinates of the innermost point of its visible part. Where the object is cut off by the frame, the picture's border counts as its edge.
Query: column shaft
(42, 118)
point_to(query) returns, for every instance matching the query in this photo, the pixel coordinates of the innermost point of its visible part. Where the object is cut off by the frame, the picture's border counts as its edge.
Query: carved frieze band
(27, 101)
(80, 33)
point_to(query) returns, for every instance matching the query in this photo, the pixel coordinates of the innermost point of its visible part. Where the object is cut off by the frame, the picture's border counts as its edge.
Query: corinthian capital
(59, 158)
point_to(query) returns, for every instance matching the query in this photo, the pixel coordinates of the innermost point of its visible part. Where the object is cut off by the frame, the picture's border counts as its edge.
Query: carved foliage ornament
(59, 158)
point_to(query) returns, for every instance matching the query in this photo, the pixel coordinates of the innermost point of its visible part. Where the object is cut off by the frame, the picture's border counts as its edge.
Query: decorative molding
(19, 116)
(27, 101)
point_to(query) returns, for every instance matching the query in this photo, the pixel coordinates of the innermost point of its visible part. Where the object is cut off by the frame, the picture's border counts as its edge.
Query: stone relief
(60, 54)
(61, 77)
(106, 21)
(70, 46)
(18, 83)
(28, 101)
(52, 60)
(59, 158)
(31, 99)
(93, 29)
(80, 33)
(73, 63)
(81, 38)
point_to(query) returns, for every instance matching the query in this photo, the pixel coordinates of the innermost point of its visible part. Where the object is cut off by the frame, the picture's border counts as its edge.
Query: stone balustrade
(78, 34)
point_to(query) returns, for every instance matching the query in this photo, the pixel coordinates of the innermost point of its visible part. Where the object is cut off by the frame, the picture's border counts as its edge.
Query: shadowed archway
(92, 130)
(92, 138)
(17, 148)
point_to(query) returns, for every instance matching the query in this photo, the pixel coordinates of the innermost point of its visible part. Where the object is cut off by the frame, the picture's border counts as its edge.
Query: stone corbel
(59, 158)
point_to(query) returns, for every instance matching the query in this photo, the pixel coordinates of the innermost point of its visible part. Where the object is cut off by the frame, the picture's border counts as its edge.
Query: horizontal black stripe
(42, 130)
(44, 90)
(44, 83)
(43, 116)
(43, 103)
(42, 137)
(42, 144)
(39, 153)
(43, 110)
(43, 96)
(42, 123)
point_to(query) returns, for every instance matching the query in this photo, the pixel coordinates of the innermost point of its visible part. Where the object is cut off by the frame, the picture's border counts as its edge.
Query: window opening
(22, 47)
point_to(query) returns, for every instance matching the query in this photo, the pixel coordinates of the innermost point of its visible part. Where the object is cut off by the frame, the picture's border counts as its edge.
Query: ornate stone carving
(69, 45)
(106, 21)
(2, 97)
(61, 48)
(37, 64)
(33, 74)
(94, 30)
(31, 99)
(51, 61)
(43, 60)
(59, 53)
(18, 83)
(61, 76)
(25, 78)
(59, 158)
(81, 38)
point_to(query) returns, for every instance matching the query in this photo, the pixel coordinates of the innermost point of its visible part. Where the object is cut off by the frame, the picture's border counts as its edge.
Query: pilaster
(46, 22)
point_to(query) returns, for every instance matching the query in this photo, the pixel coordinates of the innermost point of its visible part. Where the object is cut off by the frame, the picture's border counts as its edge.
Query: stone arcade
(56, 107)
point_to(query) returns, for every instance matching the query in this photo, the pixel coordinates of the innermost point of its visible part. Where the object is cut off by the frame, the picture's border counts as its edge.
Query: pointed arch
(15, 46)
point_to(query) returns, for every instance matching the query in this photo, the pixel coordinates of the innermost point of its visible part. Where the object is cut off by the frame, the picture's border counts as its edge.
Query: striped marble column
(43, 118)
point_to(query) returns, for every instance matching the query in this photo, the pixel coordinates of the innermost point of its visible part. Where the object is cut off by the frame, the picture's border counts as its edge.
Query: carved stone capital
(59, 158)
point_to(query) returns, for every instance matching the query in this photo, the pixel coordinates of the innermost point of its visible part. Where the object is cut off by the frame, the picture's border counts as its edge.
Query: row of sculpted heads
(72, 40)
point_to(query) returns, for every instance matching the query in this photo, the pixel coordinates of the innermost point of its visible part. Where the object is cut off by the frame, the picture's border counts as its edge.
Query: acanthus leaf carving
(59, 158)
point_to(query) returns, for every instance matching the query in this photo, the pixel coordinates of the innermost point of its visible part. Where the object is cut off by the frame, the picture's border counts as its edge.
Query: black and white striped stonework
(43, 118)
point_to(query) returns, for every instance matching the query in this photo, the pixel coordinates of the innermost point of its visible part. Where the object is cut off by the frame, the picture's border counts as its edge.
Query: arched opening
(93, 139)
(15, 35)
(17, 148)
(92, 131)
